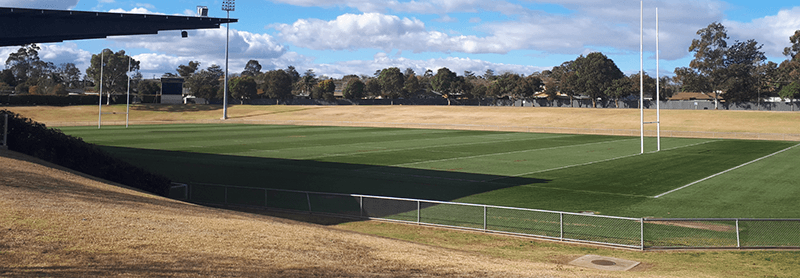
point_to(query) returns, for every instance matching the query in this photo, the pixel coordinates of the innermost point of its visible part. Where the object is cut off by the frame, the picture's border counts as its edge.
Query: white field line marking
(428, 147)
(726, 171)
(493, 154)
(598, 161)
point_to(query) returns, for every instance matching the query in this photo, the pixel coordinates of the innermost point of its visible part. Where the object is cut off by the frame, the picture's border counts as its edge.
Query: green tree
(206, 83)
(559, 81)
(621, 88)
(707, 68)
(69, 74)
(373, 87)
(792, 51)
(186, 71)
(790, 92)
(114, 68)
(277, 84)
(308, 81)
(594, 74)
(391, 80)
(242, 88)
(25, 64)
(354, 89)
(324, 90)
(252, 68)
(148, 87)
(489, 74)
(444, 82)
(411, 86)
(741, 68)
(293, 74)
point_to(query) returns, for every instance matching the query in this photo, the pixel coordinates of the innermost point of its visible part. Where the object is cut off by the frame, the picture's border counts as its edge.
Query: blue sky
(338, 37)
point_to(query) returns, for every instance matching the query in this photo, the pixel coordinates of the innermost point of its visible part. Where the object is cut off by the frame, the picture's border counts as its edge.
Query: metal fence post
(641, 230)
(361, 206)
(738, 243)
(418, 211)
(561, 224)
(308, 198)
(484, 218)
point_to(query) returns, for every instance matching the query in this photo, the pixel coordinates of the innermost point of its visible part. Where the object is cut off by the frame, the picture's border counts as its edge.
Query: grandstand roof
(23, 26)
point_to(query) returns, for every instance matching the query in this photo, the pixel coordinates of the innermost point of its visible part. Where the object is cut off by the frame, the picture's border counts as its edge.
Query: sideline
(726, 171)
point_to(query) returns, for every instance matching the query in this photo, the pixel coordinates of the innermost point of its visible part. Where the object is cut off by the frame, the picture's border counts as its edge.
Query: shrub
(35, 139)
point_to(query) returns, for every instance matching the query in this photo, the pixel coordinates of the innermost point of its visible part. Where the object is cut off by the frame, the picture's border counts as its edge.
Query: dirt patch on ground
(54, 222)
(697, 225)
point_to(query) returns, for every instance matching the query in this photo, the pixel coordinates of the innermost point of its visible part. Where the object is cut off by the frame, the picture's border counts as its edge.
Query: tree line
(733, 71)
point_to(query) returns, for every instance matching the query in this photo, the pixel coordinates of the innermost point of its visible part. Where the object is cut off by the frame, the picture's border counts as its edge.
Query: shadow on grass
(206, 171)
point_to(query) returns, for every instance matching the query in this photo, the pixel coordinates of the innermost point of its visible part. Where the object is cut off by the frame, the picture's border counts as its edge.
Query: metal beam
(24, 26)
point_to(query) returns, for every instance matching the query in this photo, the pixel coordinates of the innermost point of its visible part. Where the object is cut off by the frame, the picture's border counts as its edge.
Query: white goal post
(641, 82)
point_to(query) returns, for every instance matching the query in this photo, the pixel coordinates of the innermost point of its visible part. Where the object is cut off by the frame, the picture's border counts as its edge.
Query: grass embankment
(57, 223)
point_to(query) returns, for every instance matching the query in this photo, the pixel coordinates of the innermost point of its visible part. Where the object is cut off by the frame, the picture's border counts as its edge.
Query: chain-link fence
(638, 233)
(722, 233)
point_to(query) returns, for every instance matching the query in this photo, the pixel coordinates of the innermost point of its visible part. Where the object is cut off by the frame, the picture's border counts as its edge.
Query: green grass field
(605, 174)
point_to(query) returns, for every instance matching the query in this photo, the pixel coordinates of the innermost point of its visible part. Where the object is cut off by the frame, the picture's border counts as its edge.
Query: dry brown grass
(742, 124)
(57, 223)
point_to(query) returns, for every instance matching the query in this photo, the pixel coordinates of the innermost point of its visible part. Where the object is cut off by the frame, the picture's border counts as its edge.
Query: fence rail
(634, 233)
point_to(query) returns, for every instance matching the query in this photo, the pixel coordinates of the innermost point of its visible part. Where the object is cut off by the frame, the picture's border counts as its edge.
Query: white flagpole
(641, 74)
(658, 87)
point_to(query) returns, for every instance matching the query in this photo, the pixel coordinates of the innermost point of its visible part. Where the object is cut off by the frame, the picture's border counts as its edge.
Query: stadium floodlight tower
(227, 6)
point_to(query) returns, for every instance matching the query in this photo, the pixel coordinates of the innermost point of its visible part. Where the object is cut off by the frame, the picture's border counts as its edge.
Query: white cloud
(40, 4)
(772, 31)
(382, 60)
(206, 42)
(425, 7)
(137, 10)
(168, 49)
(386, 32)
(592, 25)
(67, 52)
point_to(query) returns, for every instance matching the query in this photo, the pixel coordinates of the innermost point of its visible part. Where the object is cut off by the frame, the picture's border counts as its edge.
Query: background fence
(539, 102)
(635, 233)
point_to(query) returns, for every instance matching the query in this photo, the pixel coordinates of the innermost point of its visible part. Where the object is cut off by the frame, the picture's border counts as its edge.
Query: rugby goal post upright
(641, 82)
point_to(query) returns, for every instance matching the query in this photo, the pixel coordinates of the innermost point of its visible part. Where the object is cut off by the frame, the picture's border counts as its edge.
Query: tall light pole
(227, 6)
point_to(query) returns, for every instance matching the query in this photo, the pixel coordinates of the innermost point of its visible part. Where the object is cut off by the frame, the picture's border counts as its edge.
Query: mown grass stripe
(723, 172)
(504, 153)
(594, 162)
